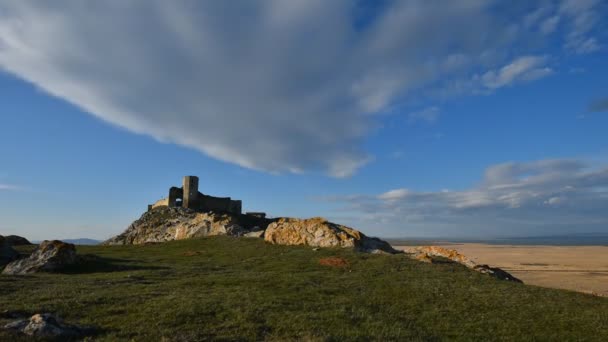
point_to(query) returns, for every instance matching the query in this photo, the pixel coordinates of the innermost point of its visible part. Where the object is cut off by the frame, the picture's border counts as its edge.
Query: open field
(245, 289)
(577, 268)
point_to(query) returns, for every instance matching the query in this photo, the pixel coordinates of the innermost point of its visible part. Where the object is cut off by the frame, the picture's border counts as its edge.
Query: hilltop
(194, 267)
(246, 289)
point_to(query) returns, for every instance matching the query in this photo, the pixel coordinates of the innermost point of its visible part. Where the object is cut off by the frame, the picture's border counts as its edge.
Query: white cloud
(428, 115)
(583, 16)
(541, 197)
(526, 68)
(395, 194)
(280, 86)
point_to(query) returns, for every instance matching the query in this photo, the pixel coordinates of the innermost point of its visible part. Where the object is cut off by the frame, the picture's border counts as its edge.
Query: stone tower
(190, 187)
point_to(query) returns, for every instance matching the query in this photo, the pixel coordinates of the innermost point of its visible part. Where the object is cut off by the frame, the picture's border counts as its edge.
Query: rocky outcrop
(424, 253)
(318, 232)
(48, 326)
(49, 256)
(167, 224)
(7, 253)
(15, 240)
(430, 253)
(176, 223)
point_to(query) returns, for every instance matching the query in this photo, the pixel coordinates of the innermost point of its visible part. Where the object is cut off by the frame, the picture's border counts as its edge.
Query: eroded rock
(496, 273)
(318, 232)
(49, 256)
(255, 234)
(48, 326)
(176, 223)
(428, 253)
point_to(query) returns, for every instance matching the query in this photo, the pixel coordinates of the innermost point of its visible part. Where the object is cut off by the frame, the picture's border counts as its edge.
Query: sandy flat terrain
(578, 268)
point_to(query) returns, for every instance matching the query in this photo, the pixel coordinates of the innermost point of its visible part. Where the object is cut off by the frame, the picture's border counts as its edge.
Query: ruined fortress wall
(188, 196)
(175, 194)
(190, 192)
(236, 207)
(215, 203)
(161, 203)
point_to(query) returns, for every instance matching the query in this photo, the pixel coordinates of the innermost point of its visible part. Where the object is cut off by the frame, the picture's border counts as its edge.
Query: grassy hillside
(244, 289)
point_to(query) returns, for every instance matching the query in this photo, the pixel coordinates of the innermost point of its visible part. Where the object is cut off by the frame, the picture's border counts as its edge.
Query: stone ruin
(189, 197)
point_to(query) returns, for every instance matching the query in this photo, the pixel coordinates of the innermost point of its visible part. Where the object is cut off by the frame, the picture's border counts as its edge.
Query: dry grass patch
(334, 262)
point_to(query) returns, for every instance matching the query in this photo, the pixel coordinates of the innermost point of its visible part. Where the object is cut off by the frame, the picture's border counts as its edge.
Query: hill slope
(235, 288)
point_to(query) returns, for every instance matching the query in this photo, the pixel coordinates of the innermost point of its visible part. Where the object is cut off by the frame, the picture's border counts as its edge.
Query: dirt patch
(191, 253)
(334, 262)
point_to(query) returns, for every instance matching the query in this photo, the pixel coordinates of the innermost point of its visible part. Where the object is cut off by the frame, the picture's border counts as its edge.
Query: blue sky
(406, 118)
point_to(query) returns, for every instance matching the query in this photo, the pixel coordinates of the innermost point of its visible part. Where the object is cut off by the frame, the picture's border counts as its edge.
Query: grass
(244, 289)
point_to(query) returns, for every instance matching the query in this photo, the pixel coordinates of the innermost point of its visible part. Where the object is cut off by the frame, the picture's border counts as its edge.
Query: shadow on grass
(90, 263)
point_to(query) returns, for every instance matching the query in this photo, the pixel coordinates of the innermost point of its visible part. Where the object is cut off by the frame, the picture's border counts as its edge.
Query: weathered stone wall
(236, 207)
(210, 203)
(189, 197)
(161, 203)
(191, 194)
(175, 194)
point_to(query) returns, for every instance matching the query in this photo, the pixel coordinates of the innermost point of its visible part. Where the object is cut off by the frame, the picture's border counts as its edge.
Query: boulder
(7, 253)
(429, 253)
(166, 224)
(255, 234)
(49, 256)
(15, 240)
(48, 326)
(318, 232)
(497, 273)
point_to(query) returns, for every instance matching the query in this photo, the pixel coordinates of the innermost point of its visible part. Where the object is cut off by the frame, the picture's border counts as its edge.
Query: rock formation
(47, 326)
(318, 232)
(49, 256)
(7, 253)
(15, 240)
(428, 253)
(177, 223)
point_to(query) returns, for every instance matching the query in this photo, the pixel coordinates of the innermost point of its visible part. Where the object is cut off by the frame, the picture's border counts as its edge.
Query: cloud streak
(547, 196)
(522, 69)
(9, 187)
(278, 86)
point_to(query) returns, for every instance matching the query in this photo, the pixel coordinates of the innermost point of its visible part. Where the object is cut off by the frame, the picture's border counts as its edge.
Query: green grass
(245, 289)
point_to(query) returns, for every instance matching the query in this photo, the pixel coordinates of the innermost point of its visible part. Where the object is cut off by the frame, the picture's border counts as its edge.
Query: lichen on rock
(429, 253)
(318, 232)
(48, 326)
(176, 223)
(49, 256)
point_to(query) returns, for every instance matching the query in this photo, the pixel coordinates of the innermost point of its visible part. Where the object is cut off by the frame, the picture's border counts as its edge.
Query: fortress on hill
(189, 197)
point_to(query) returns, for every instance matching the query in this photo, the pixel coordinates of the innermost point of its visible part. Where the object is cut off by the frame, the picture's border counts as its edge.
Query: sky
(462, 119)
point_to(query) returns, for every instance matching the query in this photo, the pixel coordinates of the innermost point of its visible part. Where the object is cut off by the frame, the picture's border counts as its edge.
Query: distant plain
(576, 268)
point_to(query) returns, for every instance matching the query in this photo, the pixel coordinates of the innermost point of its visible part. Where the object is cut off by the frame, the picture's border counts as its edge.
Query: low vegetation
(245, 289)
